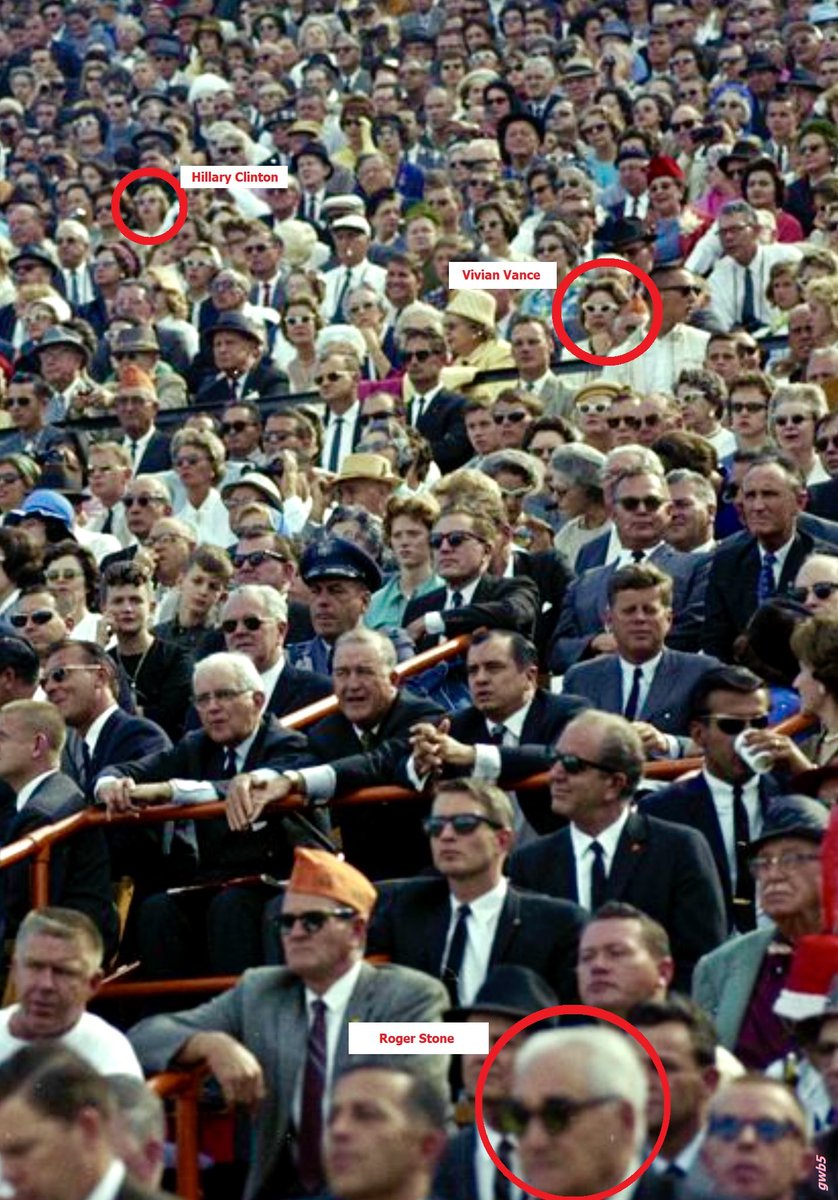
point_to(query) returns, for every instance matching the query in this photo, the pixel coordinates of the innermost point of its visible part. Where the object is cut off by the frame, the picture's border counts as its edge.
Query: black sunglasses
(251, 623)
(459, 822)
(256, 557)
(41, 616)
(572, 764)
(821, 591)
(647, 503)
(629, 422)
(555, 1114)
(733, 726)
(827, 443)
(455, 539)
(419, 355)
(314, 920)
(235, 426)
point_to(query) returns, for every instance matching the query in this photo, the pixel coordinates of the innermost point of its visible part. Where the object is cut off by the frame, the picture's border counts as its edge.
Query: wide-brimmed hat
(59, 335)
(311, 150)
(792, 817)
(476, 306)
(236, 322)
(374, 467)
(32, 252)
(260, 483)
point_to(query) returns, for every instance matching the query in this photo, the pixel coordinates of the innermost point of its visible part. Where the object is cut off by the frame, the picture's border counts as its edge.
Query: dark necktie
(597, 876)
(456, 600)
(456, 952)
(134, 448)
(673, 1171)
(85, 766)
(266, 295)
(232, 390)
(367, 739)
(345, 286)
(766, 585)
(309, 1166)
(638, 555)
(107, 524)
(418, 409)
(749, 316)
(744, 899)
(496, 734)
(633, 702)
(337, 437)
(229, 768)
(503, 1188)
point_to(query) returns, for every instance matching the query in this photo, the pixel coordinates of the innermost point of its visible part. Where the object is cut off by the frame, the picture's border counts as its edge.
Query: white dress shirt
(336, 1000)
(727, 284)
(627, 670)
(485, 1171)
(347, 431)
(722, 794)
(141, 445)
(658, 369)
(109, 1185)
(584, 858)
(480, 934)
(93, 734)
(211, 521)
(435, 621)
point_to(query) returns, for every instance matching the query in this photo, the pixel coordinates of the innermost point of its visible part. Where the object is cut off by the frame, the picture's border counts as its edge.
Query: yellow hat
(374, 467)
(476, 306)
(319, 873)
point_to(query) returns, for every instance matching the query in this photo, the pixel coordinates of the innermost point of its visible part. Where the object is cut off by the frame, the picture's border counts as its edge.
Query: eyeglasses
(18, 401)
(811, 148)
(599, 310)
(164, 539)
(41, 616)
(785, 862)
(494, 101)
(651, 420)
(313, 920)
(236, 426)
(304, 320)
(572, 764)
(510, 418)
(729, 1127)
(629, 422)
(555, 1114)
(793, 419)
(222, 695)
(733, 726)
(747, 406)
(455, 539)
(417, 355)
(255, 559)
(141, 501)
(679, 126)
(827, 443)
(646, 503)
(7, 478)
(683, 289)
(250, 623)
(332, 377)
(193, 460)
(195, 263)
(462, 823)
(61, 674)
(368, 418)
(590, 407)
(63, 576)
(597, 128)
(538, 189)
(821, 591)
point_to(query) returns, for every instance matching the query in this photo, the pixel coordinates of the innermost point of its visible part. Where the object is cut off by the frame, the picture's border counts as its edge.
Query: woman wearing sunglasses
(19, 474)
(601, 303)
(72, 577)
(198, 460)
(793, 414)
(300, 323)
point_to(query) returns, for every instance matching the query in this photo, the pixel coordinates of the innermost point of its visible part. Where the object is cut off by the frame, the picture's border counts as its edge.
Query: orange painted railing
(184, 1088)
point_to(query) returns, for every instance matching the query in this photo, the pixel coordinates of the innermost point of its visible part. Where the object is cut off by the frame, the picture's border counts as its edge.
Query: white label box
(418, 1037)
(519, 275)
(224, 177)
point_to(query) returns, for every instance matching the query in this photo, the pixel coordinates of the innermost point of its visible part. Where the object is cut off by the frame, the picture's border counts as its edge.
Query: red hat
(813, 968)
(663, 167)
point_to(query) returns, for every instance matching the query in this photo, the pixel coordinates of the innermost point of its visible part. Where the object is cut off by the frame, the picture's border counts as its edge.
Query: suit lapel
(361, 1007)
(630, 853)
(508, 925)
(566, 866)
(291, 1043)
(659, 694)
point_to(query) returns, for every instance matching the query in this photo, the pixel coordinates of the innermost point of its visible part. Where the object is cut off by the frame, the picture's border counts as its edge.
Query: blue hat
(794, 817)
(46, 504)
(338, 558)
(163, 45)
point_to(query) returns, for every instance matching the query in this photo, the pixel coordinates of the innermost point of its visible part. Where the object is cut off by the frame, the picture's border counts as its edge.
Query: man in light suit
(263, 1039)
(641, 515)
(739, 280)
(56, 1118)
(736, 982)
(31, 741)
(644, 680)
(532, 347)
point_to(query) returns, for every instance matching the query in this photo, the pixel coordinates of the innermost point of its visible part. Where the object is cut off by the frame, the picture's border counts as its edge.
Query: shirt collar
(242, 749)
(466, 590)
(337, 996)
(487, 906)
(648, 667)
(514, 722)
(720, 789)
(95, 730)
(608, 838)
(270, 677)
(28, 788)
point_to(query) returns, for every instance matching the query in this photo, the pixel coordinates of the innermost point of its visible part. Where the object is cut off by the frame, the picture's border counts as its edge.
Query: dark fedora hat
(509, 991)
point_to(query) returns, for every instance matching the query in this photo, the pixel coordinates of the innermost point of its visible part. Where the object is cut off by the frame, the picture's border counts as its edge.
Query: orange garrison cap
(320, 873)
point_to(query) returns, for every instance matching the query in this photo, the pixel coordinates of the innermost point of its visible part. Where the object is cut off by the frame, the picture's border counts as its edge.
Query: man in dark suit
(608, 852)
(463, 541)
(642, 679)
(641, 515)
(506, 734)
(434, 411)
(508, 994)
(823, 500)
(48, 1088)
(271, 559)
(136, 409)
(726, 801)
(749, 570)
(242, 370)
(432, 924)
(234, 737)
(372, 725)
(31, 741)
(264, 1039)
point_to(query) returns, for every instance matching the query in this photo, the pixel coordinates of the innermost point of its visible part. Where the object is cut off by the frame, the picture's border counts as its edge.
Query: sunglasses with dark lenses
(647, 503)
(729, 1127)
(629, 422)
(733, 726)
(821, 591)
(572, 764)
(793, 419)
(41, 616)
(555, 1114)
(459, 822)
(314, 920)
(251, 623)
(332, 377)
(235, 426)
(509, 418)
(419, 355)
(747, 406)
(827, 443)
(454, 539)
(140, 501)
(62, 674)
(256, 557)
(18, 401)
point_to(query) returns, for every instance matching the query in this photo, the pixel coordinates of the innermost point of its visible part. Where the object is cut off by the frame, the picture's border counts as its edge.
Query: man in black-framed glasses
(607, 851)
(576, 1133)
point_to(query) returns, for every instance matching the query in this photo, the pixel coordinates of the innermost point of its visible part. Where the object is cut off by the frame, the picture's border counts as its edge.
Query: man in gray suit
(274, 1040)
(649, 684)
(737, 983)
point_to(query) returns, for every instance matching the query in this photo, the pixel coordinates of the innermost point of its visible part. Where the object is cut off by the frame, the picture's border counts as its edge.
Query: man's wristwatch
(297, 781)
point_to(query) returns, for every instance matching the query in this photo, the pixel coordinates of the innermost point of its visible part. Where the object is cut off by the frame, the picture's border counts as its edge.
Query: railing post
(186, 1133)
(40, 876)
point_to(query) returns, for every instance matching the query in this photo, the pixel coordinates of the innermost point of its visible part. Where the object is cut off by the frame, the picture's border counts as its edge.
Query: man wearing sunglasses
(136, 407)
(609, 852)
(757, 1145)
(749, 569)
(739, 983)
(27, 400)
(436, 412)
(36, 619)
(264, 1038)
(641, 511)
(726, 801)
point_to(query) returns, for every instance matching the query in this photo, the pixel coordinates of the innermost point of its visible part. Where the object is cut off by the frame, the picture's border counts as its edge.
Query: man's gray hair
(370, 637)
(141, 1107)
(274, 603)
(244, 672)
(640, 456)
(702, 487)
(612, 1065)
(739, 208)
